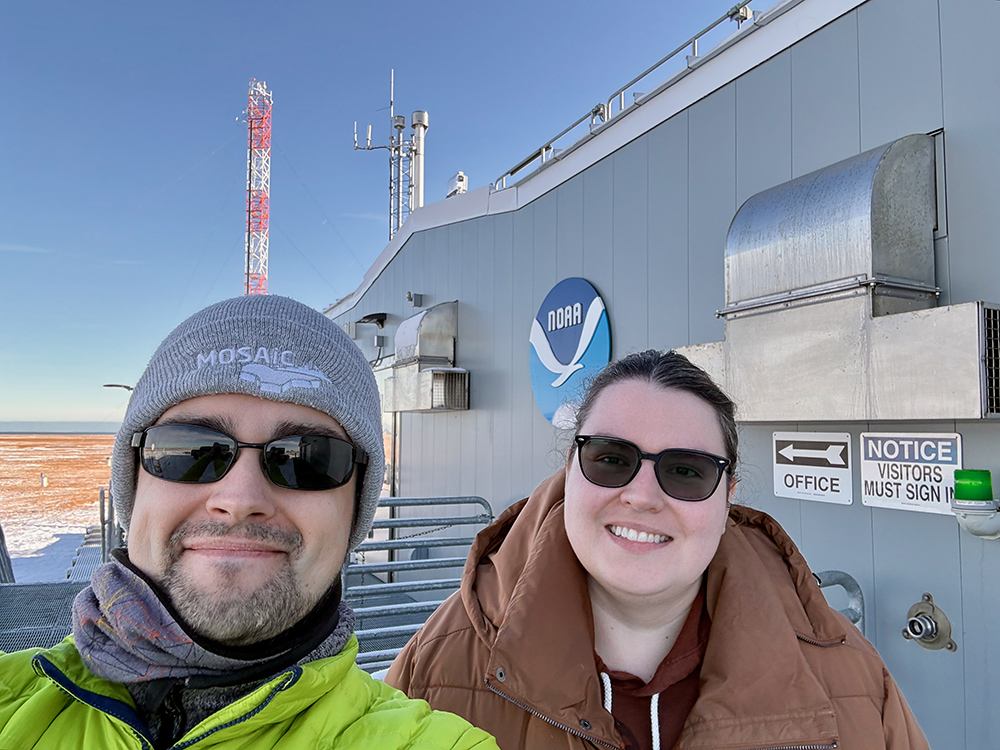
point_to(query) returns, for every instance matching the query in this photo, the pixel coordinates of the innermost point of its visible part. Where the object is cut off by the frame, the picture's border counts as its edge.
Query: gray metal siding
(598, 207)
(505, 483)
(630, 260)
(522, 310)
(569, 229)
(972, 113)
(826, 118)
(711, 205)
(764, 127)
(900, 84)
(667, 218)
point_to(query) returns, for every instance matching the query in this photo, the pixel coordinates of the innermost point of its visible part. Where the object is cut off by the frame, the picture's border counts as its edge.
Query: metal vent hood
(424, 376)
(865, 224)
(830, 300)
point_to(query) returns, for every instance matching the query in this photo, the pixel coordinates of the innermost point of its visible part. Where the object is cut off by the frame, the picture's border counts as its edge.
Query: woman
(628, 604)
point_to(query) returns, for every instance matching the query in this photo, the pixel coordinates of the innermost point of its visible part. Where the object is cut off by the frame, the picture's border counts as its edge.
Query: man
(248, 465)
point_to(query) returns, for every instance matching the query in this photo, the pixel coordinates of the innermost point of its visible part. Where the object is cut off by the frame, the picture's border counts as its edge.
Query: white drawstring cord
(654, 708)
(654, 718)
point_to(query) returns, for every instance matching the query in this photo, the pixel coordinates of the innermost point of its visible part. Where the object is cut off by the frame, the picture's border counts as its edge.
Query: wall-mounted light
(417, 300)
(974, 505)
(376, 318)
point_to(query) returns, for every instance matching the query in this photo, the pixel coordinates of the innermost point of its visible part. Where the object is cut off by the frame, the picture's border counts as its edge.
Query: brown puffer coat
(513, 650)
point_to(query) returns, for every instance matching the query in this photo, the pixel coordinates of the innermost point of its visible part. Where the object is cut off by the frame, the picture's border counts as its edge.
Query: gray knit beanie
(265, 346)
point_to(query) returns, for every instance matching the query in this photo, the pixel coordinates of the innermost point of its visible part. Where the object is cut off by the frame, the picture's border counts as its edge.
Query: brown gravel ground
(76, 467)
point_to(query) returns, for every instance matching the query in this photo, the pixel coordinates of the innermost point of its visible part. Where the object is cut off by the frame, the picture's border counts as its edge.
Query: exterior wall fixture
(424, 376)
(457, 185)
(855, 610)
(831, 303)
(377, 318)
(974, 505)
(929, 626)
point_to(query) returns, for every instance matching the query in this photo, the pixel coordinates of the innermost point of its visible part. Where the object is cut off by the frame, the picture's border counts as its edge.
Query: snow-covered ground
(47, 563)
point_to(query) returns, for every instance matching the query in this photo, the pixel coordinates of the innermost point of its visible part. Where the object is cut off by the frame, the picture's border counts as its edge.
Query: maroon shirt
(676, 681)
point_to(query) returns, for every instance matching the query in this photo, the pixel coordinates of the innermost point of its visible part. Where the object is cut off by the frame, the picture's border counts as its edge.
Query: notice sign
(910, 471)
(813, 466)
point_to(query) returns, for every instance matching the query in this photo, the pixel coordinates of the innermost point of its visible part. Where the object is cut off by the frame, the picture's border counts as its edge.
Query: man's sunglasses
(191, 454)
(683, 474)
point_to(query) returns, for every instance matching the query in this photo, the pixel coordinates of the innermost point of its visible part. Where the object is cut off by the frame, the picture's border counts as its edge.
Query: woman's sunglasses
(683, 474)
(197, 455)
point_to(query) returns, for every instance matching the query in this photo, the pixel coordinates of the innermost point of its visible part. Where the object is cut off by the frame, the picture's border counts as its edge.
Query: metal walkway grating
(87, 560)
(36, 615)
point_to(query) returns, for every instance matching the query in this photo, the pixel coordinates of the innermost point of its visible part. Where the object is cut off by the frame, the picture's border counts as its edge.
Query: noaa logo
(570, 342)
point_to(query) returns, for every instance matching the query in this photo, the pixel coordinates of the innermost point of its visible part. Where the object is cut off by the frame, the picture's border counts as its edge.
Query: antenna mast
(406, 161)
(258, 186)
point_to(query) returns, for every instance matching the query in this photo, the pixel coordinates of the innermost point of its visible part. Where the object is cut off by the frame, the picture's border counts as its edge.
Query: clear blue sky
(123, 153)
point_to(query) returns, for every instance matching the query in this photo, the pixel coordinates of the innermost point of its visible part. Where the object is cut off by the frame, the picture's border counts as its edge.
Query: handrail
(6, 567)
(739, 13)
(420, 521)
(392, 597)
(409, 502)
(423, 608)
(407, 566)
(397, 544)
(855, 610)
(407, 587)
(603, 110)
(596, 113)
(111, 532)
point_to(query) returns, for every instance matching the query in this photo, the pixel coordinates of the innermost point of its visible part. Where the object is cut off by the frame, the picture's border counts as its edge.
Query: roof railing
(603, 112)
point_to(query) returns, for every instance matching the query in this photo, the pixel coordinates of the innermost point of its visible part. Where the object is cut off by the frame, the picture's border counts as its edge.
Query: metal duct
(423, 375)
(429, 336)
(863, 224)
(814, 266)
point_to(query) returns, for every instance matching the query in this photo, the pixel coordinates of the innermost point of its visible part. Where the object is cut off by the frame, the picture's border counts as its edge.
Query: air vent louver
(991, 360)
(450, 390)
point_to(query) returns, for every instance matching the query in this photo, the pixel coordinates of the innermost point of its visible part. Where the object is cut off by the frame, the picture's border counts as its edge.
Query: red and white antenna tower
(258, 186)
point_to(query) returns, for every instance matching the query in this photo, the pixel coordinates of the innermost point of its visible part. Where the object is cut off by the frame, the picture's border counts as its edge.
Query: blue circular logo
(570, 342)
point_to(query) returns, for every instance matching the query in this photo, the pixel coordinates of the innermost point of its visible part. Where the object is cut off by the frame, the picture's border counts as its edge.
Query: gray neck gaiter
(125, 633)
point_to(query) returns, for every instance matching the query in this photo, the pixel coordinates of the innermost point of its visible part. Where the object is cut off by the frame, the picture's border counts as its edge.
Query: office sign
(570, 342)
(813, 466)
(910, 471)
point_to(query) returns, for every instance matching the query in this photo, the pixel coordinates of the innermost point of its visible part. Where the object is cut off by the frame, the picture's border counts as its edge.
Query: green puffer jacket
(49, 699)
